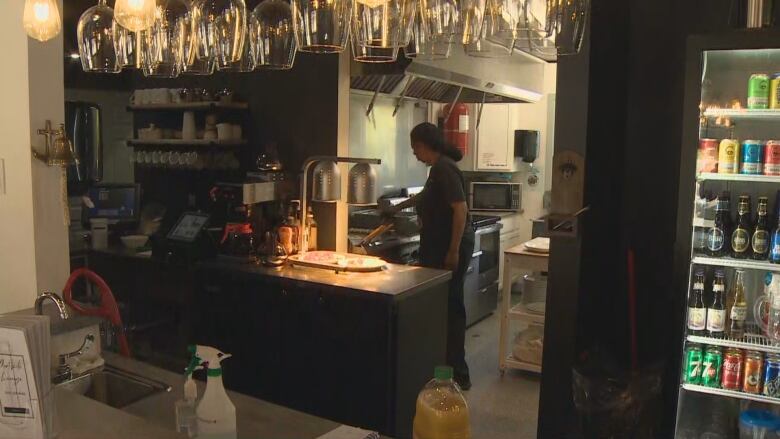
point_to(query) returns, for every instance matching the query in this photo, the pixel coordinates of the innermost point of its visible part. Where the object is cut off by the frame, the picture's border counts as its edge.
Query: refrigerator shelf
(743, 113)
(752, 341)
(748, 264)
(731, 393)
(714, 176)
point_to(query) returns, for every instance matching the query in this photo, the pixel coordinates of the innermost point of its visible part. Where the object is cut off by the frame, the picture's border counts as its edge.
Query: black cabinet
(355, 357)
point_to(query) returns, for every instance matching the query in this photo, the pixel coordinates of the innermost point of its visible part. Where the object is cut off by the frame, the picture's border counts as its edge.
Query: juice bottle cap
(443, 373)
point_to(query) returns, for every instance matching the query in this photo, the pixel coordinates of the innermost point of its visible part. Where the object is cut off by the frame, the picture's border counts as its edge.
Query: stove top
(484, 220)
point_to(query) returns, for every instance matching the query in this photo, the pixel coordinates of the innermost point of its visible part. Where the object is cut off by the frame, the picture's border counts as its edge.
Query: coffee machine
(235, 209)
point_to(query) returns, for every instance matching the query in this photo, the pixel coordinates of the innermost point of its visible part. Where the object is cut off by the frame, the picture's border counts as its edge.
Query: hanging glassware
(502, 17)
(126, 44)
(220, 26)
(492, 43)
(192, 64)
(424, 45)
(368, 54)
(566, 21)
(246, 64)
(95, 33)
(163, 43)
(271, 35)
(135, 15)
(41, 19)
(382, 23)
(441, 18)
(472, 15)
(321, 26)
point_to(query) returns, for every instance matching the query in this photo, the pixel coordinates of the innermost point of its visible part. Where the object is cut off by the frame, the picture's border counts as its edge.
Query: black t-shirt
(445, 185)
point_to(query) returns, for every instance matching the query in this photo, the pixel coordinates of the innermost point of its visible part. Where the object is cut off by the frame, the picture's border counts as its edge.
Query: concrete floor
(500, 407)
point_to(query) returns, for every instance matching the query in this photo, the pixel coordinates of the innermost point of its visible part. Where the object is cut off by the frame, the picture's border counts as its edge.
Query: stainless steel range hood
(518, 78)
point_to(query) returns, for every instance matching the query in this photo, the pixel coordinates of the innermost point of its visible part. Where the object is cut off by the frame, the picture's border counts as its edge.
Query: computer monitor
(118, 203)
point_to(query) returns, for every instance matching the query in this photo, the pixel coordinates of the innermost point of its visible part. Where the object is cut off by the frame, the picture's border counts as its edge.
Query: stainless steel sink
(114, 387)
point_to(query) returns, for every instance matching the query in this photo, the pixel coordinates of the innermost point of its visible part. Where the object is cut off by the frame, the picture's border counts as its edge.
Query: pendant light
(271, 35)
(425, 46)
(135, 15)
(162, 44)
(246, 64)
(362, 185)
(327, 182)
(127, 45)
(95, 33)
(220, 26)
(41, 19)
(383, 23)
(321, 26)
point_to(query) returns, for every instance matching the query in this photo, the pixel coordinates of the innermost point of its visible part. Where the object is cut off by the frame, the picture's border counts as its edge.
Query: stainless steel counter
(395, 280)
(82, 418)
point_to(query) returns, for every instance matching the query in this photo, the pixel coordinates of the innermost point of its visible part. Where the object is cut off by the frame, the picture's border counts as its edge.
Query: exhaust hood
(517, 78)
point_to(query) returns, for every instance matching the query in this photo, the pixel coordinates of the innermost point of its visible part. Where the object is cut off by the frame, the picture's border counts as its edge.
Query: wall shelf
(712, 176)
(731, 393)
(179, 143)
(743, 113)
(186, 106)
(520, 312)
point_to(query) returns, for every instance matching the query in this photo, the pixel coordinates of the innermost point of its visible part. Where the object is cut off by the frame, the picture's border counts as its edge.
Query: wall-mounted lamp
(58, 150)
(327, 186)
(41, 19)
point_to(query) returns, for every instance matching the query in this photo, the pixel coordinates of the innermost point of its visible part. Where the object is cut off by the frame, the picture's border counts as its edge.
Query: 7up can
(693, 360)
(758, 92)
(711, 366)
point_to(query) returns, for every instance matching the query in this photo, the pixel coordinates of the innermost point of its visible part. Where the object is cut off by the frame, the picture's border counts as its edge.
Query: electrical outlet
(2, 176)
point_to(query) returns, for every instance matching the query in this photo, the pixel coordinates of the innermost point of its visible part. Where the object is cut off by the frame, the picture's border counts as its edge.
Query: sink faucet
(54, 298)
(63, 370)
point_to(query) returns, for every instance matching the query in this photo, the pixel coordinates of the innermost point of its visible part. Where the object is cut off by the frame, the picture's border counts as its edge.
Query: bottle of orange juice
(442, 412)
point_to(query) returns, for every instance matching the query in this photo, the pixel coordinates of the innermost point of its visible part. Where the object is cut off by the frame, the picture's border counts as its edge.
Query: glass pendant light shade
(440, 18)
(41, 19)
(370, 54)
(220, 26)
(472, 15)
(383, 23)
(95, 33)
(246, 64)
(163, 43)
(271, 35)
(127, 45)
(321, 26)
(135, 15)
(425, 46)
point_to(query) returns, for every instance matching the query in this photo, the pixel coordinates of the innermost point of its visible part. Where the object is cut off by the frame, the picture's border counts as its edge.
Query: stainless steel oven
(495, 196)
(480, 288)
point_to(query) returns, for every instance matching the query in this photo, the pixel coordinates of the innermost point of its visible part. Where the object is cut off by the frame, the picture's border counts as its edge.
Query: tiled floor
(500, 407)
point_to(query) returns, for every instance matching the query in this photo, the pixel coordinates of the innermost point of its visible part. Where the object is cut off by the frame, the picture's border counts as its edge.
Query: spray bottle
(216, 413)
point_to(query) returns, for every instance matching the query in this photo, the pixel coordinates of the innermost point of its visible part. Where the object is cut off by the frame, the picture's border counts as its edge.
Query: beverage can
(707, 160)
(774, 89)
(772, 157)
(728, 156)
(693, 364)
(751, 382)
(731, 376)
(758, 91)
(711, 367)
(752, 157)
(772, 376)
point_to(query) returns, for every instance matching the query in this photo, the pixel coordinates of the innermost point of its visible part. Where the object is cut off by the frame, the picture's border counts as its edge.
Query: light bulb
(135, 15)
(41, 19)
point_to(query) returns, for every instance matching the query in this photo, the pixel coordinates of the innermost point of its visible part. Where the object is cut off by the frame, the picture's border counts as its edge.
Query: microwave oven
(495, 196)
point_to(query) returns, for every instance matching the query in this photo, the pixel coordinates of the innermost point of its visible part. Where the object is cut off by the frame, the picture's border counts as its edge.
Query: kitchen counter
(395, 280)
(82, 418)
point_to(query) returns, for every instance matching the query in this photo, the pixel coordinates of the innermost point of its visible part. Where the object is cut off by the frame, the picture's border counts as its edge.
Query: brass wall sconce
(58, 151)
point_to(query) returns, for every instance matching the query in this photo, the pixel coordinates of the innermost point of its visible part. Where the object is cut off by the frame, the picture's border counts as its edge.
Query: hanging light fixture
(135, 15)
(163, 43)
(271, 35)
(220, 26)
(246, 64)
(327, 182)
(426, 46)
(127, 45)
(382, 23)
(95, 33)
(41, 19)
(321, 26)
(362, 185)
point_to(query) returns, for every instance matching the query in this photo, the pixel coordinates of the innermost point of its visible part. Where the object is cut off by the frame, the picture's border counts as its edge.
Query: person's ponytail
(432, 136)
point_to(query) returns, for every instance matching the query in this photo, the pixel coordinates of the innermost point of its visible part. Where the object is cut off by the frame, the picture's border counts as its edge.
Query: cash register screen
(188, 227)
(114, 202)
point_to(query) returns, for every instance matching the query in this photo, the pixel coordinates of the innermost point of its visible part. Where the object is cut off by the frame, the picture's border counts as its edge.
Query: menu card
(25, 384)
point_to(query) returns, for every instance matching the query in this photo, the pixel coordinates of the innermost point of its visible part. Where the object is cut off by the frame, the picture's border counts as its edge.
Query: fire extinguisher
(456, 127)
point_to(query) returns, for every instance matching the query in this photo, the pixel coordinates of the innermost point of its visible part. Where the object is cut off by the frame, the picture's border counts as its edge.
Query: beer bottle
(697, 313)
(719, 236)
(740, 237)
(774, 246)
(738, 312)
(716, 312)
(760, 239)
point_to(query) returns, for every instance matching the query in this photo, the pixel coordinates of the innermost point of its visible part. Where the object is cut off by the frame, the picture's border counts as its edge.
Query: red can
(731, 378)
(707, 160)
(772, 157)
(753, 372)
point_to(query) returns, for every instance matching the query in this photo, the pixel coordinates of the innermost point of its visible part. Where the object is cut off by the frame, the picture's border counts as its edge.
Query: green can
(711, 366)
(758, 92)
(693, 364)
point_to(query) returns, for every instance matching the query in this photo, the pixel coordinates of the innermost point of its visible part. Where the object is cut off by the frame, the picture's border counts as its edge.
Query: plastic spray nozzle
(210, 356)
(195, 361)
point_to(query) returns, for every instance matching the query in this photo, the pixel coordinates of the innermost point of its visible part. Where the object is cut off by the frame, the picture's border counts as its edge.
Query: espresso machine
(236, 211)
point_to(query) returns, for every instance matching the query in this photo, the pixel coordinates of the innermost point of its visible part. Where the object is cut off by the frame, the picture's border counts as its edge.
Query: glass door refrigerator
(726, 251)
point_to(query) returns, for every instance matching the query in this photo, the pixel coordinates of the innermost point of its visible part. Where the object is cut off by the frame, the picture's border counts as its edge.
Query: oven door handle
(490, 229)
(477, 254)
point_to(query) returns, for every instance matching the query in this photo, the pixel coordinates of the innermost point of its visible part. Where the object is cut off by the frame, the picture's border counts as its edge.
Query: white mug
(224, 131)
(188, 131)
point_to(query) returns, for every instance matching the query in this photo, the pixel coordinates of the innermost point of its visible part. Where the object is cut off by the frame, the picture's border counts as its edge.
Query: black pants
(456, 311)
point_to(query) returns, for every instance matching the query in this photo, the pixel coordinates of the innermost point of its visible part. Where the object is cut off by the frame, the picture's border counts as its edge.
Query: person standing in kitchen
(446, 235)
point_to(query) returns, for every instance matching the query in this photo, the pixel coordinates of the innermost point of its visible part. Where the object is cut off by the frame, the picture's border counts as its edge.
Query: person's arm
(459, 214)
(409, 202)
